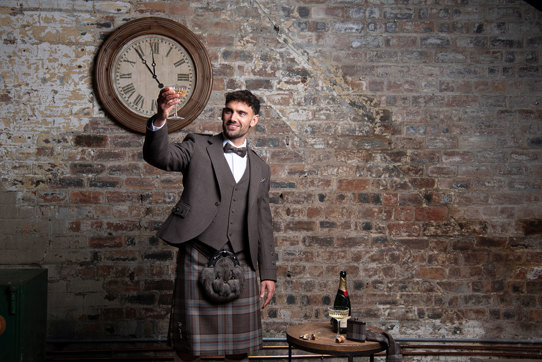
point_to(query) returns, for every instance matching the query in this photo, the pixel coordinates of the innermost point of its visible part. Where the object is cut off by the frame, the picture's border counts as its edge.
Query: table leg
(350, 359)
(289, 352)
(372, 358)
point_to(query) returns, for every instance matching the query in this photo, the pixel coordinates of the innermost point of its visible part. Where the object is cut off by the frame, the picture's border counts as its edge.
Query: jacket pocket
(181, 209)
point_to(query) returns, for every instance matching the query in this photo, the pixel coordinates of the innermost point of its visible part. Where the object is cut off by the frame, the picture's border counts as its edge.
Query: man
(224, 206)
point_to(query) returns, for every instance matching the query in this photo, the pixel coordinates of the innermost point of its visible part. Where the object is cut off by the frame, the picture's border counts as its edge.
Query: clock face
(143, 56)
(146, 64)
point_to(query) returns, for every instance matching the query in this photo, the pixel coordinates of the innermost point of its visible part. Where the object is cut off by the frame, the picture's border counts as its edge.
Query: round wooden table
(325, 342)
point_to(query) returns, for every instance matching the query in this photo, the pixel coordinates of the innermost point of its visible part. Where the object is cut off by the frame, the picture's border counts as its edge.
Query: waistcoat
(230, 223)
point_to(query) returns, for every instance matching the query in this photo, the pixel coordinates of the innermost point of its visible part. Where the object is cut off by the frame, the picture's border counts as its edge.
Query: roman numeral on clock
(179, 62)
(128, 90)
(132, 63)
(139, 51)
(139, 100)
(155, 47)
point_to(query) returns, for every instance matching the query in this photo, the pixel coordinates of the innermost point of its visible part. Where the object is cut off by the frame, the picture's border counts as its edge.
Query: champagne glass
(338, 313)
(181, 92)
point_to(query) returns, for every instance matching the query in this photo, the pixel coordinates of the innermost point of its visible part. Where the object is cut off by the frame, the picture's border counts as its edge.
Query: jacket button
(217, 203)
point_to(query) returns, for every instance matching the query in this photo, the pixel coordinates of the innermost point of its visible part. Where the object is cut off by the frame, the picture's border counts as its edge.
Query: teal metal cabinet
(23, 314)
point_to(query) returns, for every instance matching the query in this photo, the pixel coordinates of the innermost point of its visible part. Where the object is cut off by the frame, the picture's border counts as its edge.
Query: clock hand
(160, 85)
(153, 63)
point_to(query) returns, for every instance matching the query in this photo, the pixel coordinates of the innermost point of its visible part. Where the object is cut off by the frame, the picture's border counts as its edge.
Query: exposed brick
(256, 84)
(105, 183)
(353, 185)
(158, 285)
(431, 273)
(532, 227)
(403, 137)
(405, 229)
(300, 226)
(53, 197)
(105, 242)
(90, 140)
(434, 41)
(141, 298)
(431, 213)
(123, 226)
(87, 168)
(403, 214)
(318, 241)
(86, 197)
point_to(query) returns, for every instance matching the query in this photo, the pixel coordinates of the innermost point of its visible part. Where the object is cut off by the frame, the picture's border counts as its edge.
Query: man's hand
(166, 101)
(269, 286)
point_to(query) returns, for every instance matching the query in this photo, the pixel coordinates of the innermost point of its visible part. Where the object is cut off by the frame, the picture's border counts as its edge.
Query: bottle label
(344, 322)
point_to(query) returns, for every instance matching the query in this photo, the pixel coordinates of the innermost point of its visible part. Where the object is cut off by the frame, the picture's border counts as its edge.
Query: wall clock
(141, 57)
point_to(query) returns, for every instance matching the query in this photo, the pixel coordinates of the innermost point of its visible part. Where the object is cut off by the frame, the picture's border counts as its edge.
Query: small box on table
(355, 330)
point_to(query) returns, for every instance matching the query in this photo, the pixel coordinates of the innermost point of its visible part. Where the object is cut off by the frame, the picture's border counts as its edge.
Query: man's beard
(233, 134)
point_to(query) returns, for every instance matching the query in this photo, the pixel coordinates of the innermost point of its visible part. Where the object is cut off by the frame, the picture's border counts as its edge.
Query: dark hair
(246, 97)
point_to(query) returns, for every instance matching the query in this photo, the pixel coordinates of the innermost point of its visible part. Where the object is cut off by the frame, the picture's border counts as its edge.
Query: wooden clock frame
(109, 50)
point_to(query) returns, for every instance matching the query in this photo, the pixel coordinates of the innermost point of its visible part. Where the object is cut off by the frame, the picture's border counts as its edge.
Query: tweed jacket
(200, 158)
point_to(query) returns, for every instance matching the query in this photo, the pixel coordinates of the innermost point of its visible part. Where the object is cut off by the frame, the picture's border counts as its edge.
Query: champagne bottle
(342, 300)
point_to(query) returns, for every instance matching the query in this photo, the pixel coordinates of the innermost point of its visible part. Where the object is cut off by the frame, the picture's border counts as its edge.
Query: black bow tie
(241, 151)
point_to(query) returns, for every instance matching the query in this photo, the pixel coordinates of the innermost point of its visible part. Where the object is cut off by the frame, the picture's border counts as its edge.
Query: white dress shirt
(237, 164)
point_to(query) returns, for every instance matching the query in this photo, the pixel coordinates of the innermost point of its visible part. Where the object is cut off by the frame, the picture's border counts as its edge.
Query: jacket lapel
(255, 178)
(220, 166)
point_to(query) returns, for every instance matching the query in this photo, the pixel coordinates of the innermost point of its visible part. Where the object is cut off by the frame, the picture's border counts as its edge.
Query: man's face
(237, 119)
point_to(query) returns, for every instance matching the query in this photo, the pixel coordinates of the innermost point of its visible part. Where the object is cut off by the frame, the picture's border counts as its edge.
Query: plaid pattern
(203, 328)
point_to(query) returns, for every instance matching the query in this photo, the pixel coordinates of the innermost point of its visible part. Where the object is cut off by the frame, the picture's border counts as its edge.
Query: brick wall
(405, 140)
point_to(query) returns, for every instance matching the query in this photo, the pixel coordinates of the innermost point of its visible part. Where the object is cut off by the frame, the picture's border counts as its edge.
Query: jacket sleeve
(158, 152)
(266, 249)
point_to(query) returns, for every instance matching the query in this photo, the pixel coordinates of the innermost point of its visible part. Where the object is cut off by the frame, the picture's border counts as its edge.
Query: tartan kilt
(204, 328)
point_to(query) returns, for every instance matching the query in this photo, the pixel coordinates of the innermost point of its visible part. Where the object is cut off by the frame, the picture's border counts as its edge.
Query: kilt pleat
(204, 328)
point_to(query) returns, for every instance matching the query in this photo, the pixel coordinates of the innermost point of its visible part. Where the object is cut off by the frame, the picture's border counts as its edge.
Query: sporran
(222, 279)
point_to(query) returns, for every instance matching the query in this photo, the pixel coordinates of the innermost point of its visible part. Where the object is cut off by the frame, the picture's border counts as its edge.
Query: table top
(325, 340)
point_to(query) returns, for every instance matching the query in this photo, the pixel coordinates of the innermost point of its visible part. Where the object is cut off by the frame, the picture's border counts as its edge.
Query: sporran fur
(222, 280)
